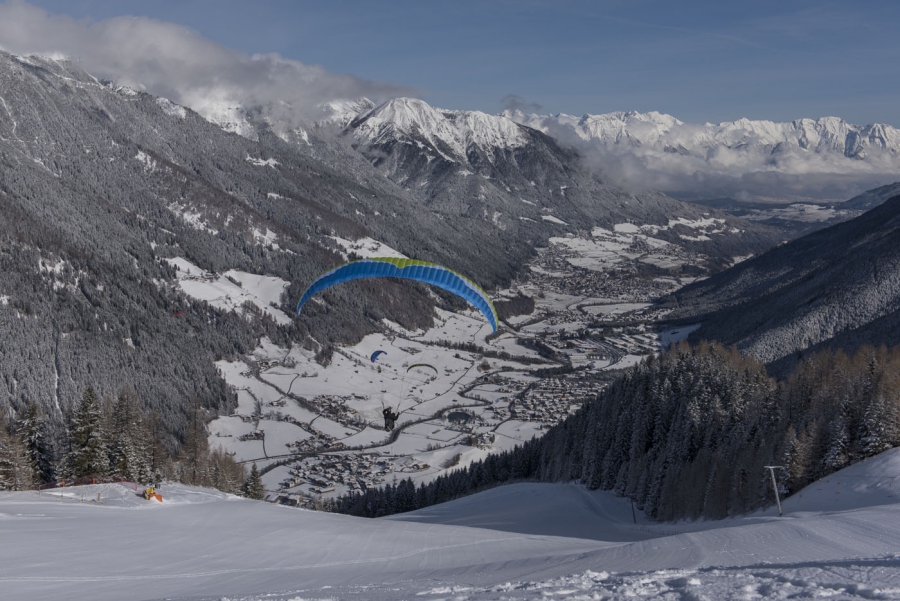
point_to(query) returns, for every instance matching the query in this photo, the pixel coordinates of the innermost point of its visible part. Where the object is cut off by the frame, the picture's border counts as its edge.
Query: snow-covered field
(803, 212)
(838, 539)
(231, 290)
(606, 249)
(288, 403)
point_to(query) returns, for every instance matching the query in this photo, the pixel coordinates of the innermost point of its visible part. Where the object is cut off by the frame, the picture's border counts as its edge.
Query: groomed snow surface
(838, 539)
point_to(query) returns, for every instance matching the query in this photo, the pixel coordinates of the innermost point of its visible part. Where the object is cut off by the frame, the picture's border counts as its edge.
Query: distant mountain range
(826, 158)
(657, 131)
(821, 160)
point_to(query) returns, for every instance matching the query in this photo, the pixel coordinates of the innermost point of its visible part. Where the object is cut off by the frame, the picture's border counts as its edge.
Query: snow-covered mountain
(827, 135)
(474, 165)
(806, 159)
(838, 287)
(826, 157)
(102, 184)
(449, 134)
(343, 112)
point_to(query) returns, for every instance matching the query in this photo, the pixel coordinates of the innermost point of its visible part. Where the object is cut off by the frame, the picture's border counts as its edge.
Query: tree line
(687, 435)
(111, 439)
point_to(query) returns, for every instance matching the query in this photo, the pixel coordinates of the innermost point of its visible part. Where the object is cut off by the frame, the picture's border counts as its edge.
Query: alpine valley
(105, 188)
(693, 319)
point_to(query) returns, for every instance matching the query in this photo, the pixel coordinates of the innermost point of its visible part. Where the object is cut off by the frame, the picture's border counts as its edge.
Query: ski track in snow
(839, 539)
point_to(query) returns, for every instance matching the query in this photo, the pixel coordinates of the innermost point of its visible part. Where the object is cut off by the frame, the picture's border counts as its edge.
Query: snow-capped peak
(828, 157)
(660, 131)
(343, 111)
(451, 133)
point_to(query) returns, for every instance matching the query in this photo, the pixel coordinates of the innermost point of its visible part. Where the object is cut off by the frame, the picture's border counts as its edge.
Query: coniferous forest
(688, 435)
(111, 439)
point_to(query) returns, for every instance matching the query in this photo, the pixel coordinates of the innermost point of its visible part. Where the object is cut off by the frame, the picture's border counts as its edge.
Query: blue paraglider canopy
(377, 354)
(409, 269)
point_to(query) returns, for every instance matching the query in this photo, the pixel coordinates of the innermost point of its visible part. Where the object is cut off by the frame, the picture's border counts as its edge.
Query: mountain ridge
(825, 289)
(825, 159)
(825, 134)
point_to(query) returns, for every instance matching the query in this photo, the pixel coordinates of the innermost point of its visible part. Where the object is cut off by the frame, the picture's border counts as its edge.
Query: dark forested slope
(839, 286)
(872, 198)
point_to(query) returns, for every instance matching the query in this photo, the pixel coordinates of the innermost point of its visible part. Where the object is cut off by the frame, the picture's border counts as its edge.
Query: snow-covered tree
(32, 430)
(128, 450)
(89, 455)
(15, 469)
(837, 456)
(253, 487)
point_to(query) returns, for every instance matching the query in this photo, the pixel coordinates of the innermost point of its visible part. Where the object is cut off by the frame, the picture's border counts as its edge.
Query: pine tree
(253, 487)
(161, 466)
(32, 430)
(875, 428)
(15, 469)
(128, 455)
(838, 456)
(194, 456)
(89, 455)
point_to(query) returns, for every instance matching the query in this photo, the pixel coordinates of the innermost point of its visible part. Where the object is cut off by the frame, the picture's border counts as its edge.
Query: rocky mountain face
(826, 158)
(102, 188)
(837, 287)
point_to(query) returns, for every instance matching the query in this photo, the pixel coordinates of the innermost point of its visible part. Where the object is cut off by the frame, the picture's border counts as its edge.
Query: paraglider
(377, 354)
(432, 367)
(409, 269)
(390, 418)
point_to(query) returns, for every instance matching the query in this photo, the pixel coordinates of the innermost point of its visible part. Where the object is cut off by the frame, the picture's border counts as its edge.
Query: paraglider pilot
(390, 418)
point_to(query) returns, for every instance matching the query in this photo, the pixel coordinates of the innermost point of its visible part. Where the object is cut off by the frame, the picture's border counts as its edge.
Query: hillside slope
(872, 198)
(839, 286)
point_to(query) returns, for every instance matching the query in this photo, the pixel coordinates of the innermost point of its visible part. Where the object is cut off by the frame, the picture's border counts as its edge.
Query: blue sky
(700, 61)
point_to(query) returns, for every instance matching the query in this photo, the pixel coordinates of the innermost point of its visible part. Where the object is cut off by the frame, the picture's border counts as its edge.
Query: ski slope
(839, 538)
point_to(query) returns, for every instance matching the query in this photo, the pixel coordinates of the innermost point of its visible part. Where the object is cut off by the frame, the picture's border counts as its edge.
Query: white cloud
(170, 60)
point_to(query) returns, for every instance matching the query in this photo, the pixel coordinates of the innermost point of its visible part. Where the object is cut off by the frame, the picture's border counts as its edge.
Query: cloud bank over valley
(806, 159)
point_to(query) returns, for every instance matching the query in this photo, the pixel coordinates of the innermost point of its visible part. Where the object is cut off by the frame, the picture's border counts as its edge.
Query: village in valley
(459, 391)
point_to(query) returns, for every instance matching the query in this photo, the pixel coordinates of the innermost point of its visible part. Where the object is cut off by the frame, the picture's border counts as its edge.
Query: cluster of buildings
(318, 441)
(481, 440)
(337, 409)
(634, 343)
(551, 400)
(356, 471)
(620, 278)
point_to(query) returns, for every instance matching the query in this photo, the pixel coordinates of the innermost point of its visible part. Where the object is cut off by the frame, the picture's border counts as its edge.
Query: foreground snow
(840, 539)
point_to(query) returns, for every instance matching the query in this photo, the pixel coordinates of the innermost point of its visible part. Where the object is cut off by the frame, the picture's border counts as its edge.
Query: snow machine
(150, 493)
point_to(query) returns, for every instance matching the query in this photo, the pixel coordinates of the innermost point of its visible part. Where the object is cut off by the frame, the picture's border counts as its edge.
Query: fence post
(771, 469)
